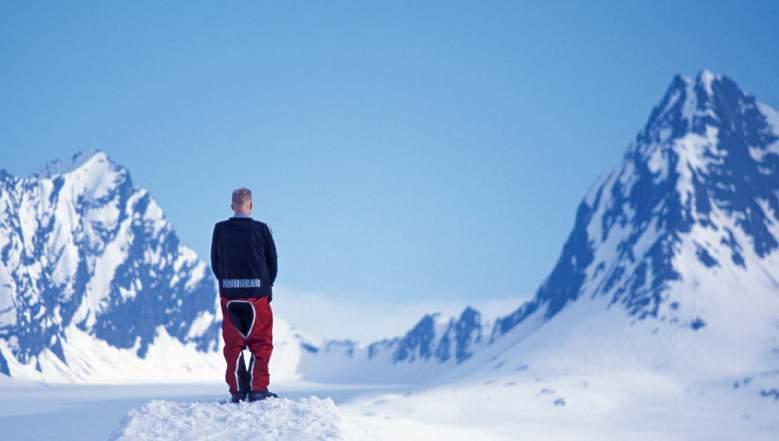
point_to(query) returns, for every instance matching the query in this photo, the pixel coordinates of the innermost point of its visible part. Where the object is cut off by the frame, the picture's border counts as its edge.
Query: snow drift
(308, 419)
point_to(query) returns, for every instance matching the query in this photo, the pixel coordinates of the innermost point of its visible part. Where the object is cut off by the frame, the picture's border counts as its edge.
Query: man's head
(242, 201)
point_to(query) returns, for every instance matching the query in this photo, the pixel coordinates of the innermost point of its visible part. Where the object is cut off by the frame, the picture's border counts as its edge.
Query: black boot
(259, 395)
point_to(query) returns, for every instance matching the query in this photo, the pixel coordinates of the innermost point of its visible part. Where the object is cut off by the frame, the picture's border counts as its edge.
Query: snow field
(611, 406)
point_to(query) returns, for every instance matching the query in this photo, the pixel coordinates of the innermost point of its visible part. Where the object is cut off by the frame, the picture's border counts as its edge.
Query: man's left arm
(270, 255)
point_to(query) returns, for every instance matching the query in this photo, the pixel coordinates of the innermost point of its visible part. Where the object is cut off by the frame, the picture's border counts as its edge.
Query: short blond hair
(241, 197)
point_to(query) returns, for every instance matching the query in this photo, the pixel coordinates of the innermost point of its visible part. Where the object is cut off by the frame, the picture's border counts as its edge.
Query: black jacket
(243, 258)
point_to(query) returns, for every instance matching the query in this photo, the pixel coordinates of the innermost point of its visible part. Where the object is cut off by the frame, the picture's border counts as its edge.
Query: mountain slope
(696, 194)
(670, 269)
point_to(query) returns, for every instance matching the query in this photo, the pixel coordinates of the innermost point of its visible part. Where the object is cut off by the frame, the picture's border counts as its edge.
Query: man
(243, 258)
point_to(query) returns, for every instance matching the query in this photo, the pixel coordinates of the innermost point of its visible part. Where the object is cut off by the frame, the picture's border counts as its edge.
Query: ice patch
(274, 419)
(690, 104)
(693, 149)
(771, 115)
(658, 165)
(200, 324)
(707, 78)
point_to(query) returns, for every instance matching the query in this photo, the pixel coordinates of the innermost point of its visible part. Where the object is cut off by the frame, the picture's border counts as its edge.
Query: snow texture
(307, 419)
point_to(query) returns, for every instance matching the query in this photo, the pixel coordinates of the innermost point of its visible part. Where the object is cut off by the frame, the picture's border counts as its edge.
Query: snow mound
(306, 419)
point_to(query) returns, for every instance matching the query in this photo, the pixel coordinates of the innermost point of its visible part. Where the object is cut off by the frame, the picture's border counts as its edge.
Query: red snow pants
(247, 322)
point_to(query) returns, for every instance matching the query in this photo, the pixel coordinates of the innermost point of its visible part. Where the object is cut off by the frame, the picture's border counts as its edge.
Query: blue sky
(408, 156)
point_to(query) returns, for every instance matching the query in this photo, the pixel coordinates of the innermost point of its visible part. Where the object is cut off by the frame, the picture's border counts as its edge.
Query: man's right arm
(215, 254)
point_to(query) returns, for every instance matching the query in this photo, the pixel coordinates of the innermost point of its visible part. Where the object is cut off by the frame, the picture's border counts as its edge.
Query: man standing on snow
(243, 258)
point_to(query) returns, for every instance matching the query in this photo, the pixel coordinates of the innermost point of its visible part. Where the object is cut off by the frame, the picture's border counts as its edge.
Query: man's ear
(251, 205)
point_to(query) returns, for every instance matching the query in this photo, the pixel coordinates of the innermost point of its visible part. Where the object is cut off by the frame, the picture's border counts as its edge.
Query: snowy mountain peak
(84, 251)
(441, 339)
(697, 193)
(87, 159)
(690, 105)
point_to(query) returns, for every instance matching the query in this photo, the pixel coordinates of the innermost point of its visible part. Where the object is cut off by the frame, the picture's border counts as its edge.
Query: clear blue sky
(403, 153)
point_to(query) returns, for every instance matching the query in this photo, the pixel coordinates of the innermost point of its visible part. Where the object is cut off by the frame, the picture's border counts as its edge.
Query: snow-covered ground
(524, 404)
(61, 412)
(624, 405)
